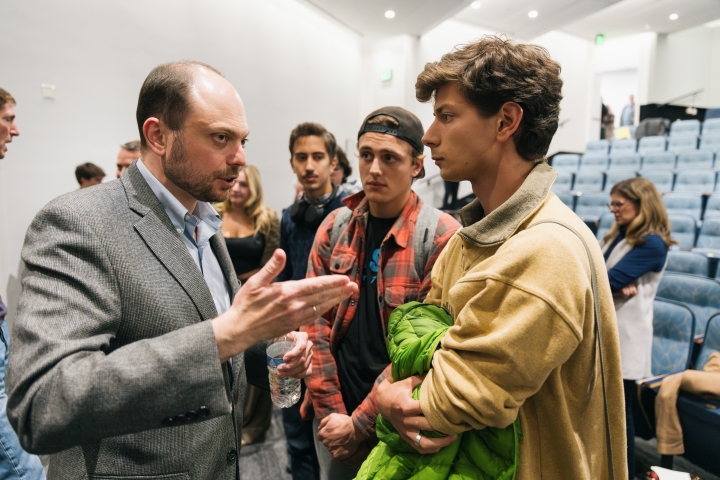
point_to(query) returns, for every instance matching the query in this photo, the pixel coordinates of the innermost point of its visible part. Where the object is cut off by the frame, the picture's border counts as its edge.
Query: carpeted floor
(267, 460)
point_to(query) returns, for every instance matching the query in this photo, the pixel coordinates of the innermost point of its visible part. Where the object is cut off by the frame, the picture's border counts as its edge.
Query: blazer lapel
(156, 229)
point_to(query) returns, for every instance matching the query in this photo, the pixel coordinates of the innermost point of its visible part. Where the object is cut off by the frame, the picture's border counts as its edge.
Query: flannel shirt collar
(400, 231)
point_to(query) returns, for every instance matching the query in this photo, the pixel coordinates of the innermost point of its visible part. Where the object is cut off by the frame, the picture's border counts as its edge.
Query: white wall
(306, 67)
(688, 61)
(616, 88)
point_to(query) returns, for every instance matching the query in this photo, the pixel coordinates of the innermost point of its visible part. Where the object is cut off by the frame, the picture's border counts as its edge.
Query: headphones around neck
(311, 214)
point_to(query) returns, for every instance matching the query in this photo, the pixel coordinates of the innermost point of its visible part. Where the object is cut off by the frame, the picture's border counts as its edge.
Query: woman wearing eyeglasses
(635, 250)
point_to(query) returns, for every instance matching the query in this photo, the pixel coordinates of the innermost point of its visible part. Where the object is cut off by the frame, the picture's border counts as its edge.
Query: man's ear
(155, 136)
(333, 163)
(511, 115)
(417, 166)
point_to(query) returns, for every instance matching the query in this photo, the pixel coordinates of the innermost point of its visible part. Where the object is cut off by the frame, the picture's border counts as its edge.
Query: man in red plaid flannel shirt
(375, 246)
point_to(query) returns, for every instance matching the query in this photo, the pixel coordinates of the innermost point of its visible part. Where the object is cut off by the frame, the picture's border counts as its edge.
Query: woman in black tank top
(252, 233)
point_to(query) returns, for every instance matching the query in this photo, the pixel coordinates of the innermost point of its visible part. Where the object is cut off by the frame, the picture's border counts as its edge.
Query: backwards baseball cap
(409, 129)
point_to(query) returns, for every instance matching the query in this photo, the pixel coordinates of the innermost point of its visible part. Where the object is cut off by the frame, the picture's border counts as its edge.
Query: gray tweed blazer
(113, 367)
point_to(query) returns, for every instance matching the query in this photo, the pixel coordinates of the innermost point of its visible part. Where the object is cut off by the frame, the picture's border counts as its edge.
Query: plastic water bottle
(284, 391)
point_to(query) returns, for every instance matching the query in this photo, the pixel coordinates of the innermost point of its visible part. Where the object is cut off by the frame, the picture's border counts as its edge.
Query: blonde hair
(651, 218)
(260, 214)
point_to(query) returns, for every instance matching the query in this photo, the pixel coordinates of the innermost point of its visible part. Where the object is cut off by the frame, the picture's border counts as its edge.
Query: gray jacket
(113, 367)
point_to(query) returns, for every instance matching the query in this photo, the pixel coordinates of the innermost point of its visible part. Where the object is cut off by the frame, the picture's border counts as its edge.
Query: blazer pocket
(167, 476)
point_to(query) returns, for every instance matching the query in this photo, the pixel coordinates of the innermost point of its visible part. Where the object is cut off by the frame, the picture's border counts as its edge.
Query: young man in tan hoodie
(525, 341)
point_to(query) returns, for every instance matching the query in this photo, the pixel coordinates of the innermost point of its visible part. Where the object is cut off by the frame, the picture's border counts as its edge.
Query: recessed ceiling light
(532, 13)
(389, 14)
(475, 5)
(674, 16)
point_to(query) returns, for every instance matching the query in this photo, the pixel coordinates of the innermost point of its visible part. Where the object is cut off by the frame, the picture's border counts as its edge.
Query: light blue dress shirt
(207, 222)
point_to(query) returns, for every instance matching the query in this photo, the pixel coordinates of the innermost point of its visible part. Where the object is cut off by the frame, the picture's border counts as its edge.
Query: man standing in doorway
(526, 340)
(129, 152)
(15, 463)
(388, 239)
(312, 158)
(628, 113)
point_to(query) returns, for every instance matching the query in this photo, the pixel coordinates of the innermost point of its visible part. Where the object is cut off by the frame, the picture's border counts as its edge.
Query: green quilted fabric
(414, 333)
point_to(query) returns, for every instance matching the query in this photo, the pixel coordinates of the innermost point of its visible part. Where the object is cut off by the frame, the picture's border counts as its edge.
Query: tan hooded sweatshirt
(524, 338)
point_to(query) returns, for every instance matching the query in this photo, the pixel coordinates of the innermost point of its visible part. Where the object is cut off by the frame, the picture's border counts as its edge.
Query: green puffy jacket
(414, 333)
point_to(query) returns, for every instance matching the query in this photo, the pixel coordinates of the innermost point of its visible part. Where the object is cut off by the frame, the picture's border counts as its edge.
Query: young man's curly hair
(494, 71)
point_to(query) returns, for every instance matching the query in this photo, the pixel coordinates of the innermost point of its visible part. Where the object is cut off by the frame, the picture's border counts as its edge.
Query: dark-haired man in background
(15, 463)
(89, 174)
(312, 159)
(129, 152)
(524, 343)
(132, 336)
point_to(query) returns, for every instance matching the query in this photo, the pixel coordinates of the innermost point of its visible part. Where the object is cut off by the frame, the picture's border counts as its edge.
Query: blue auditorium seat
(614, 176)
(698, 181)
(566, 162)
(625, 161)
(596, 147)
(567, 198)
(662, 179)
(673, 327)
(623, 147)
(700, 416)
(685, 127)
(701, 295)
(663, 160)
(709, 237)
(590, 207)
(688, 262)
(712, 209)
(711, 126)
(689, 159)
(682, 142)
(563, 182)
(710, 142)
(683, 228)
(651, 145)
(594, 162)
(589, 181)
(606, 221)
(683, 203)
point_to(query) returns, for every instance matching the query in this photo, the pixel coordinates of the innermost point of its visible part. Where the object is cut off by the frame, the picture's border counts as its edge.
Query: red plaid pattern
(397, 283)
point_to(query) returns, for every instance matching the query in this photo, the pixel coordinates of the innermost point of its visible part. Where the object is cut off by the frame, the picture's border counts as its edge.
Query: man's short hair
(88, 171)
(343, 163)
(133, 146)
(164, 95)
(5, 97)
(308, 129)
(494, 71)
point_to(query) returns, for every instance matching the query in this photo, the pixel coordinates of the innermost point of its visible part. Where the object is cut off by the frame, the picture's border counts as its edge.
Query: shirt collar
(358, 203)
(179, 215)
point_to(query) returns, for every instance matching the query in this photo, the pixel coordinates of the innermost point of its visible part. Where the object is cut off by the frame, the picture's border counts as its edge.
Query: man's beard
(179, 170)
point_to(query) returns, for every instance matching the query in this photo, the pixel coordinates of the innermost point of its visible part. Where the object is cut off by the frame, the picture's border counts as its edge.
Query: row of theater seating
(686, 159)
(695, 180)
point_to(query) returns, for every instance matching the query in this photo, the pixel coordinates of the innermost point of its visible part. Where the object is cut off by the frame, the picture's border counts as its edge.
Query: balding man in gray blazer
(132, 337)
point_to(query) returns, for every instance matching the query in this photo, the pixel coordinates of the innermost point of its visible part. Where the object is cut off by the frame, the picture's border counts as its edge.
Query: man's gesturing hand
(394, 400)
(263, 310)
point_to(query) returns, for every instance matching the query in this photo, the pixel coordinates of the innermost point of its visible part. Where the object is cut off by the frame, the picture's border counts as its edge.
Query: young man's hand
(298, 361)
(339, 435)
(626, 292)
(396, 404)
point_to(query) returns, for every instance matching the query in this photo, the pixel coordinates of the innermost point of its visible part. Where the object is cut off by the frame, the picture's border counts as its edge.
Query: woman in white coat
(635, 250)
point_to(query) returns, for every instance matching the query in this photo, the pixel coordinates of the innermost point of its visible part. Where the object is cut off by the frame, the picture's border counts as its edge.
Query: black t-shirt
(362, 354)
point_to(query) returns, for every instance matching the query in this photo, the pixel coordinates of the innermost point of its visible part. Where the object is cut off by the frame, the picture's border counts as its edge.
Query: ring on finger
(418, 437)
(314, 311)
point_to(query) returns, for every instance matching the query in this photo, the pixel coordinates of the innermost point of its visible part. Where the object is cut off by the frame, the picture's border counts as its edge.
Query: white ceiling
(412, 17)
(581, 17)
(511, 16)
(638, 16)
